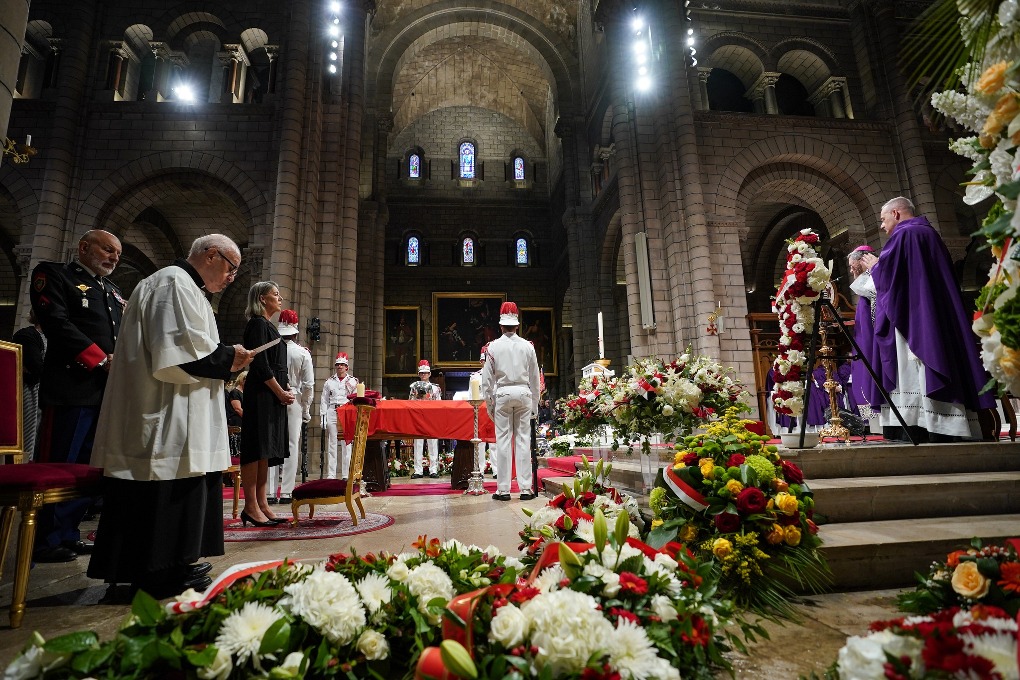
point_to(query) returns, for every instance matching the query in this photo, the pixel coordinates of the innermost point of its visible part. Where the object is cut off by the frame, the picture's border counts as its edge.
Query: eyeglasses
(233, 267)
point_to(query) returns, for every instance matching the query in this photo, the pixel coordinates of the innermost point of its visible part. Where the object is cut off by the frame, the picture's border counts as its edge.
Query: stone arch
(810, 70)
(810, 46)
(251, 200)
(25, 200)
(506, 23)
(740, 54)
(820, 158)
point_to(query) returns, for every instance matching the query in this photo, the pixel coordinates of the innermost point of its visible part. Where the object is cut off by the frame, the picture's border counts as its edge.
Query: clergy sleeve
(216, 365)
(175, 329)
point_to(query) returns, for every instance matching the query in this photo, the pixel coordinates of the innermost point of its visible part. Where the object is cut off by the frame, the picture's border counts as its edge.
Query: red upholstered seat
(322, 488)
(235, 460)
(757, 427)
(42, 476)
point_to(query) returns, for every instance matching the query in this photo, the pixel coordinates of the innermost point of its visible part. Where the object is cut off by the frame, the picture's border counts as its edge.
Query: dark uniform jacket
(80, 316)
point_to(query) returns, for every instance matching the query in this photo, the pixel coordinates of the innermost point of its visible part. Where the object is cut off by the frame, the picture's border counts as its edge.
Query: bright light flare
(185, 93)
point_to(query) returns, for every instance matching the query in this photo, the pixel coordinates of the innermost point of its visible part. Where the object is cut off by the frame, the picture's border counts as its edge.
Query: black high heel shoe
(246, 518)
(278, 520)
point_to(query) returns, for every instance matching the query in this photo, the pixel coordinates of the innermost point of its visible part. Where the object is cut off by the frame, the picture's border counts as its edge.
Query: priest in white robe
(162, 433)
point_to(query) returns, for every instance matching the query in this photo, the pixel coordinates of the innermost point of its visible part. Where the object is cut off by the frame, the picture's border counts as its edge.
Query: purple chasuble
(843, 374)
(917, 295)
(864, 389)
(819, 397)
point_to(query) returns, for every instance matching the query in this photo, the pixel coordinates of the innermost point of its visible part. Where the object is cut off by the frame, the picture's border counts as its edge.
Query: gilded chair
(234, 433)
(26, 487)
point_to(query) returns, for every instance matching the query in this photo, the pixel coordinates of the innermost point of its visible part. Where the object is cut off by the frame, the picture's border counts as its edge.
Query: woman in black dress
(264, 437)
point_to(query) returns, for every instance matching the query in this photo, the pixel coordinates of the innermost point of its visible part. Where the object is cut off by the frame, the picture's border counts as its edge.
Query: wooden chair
(235, 467)
(335, 491)
(26, 487)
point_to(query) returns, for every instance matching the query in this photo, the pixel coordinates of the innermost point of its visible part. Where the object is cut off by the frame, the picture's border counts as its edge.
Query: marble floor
(62, 599)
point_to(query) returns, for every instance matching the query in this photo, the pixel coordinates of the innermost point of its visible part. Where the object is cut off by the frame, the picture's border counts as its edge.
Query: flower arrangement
(736, 502)
(654, 397)
(805, 278)
(988, 109)
(564, 444)
(570, 516)
(350, 616)
(980, 642)
(980, 574)
(399, 467)
(614, 608)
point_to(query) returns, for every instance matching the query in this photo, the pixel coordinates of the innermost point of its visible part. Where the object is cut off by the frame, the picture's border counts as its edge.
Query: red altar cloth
(405, 419)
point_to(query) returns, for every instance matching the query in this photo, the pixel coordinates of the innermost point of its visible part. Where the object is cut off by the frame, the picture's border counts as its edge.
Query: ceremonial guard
(511, 386)
(337, 391)
(79, 310)
(422, 389)
(301, 379)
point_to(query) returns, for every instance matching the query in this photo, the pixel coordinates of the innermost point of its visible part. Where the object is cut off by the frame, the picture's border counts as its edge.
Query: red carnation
(727, 522)
(792, 473)
(604, 673)
(736, 460)
(750, 501)
(625, 614)
(633, 584)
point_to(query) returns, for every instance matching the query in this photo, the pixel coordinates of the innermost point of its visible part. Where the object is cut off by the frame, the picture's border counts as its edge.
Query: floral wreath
(805, 278)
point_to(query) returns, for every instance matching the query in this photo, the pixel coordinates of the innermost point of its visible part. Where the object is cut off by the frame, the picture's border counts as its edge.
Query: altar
(406, 419)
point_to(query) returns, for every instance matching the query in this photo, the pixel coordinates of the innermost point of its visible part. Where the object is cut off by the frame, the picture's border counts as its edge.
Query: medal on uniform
(84, 303)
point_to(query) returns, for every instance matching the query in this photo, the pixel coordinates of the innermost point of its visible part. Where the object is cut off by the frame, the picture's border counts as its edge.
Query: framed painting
(538, 324)
(401, 341)
(461, 324)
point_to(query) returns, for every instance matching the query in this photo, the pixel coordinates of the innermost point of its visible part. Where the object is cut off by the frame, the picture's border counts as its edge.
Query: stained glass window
(467, 160)
(468, 251)
(522, 252)
(519, 168)
(414, 166)
(413, 252)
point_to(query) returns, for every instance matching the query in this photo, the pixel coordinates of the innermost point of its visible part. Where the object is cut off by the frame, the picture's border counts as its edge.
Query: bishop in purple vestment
(928, 357)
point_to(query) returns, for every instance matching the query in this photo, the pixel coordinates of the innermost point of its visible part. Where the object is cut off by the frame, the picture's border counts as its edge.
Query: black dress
(264, 434)
(234, 420)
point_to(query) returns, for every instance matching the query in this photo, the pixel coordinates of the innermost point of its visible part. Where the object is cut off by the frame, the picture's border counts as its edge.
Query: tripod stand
(824, 305)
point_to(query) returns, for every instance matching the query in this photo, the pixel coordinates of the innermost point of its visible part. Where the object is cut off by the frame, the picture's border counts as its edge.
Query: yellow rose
(1005, 111)
(786, 503)
(688, 533)
(776, 536)
(656, 523)
(791, 535)
(1010, 362)
(721, 548)
(993, 79)
(734, 487)
(969, 582)
(707, 465)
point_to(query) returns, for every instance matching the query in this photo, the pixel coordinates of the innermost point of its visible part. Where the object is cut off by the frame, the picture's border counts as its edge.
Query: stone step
(882, 460)
(886, 554)
(868, 499)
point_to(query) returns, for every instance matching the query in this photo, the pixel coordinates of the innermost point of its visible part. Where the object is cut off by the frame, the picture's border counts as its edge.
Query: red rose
(691, 459)
(727, 522)
(793, 474)
(559, 501)
(735, 460)
(633, 583)
(587, 498)
(750, 501)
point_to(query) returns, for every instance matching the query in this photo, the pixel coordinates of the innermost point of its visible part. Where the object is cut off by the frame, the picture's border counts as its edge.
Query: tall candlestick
(476, 387)
(28, 140)
(361, 389)
(602, 344)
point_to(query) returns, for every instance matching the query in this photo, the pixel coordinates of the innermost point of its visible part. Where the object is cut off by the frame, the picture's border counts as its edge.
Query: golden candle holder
(476, 483)
(834, 428)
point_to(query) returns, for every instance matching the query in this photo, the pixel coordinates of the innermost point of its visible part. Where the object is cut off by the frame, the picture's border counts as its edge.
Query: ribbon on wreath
(683, 490)
(225, 580)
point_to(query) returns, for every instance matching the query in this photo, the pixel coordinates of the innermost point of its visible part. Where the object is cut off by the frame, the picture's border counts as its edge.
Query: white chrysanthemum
(427, 582)
(241, 633)
(453, 545)
(567, 628)
(585, 530)
(631, 652)
(999, 648)
(329, 603)
(546, 514)
(375, 592)
(549, 578)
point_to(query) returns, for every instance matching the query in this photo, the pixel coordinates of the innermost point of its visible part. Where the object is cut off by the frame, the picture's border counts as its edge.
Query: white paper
(266, 346)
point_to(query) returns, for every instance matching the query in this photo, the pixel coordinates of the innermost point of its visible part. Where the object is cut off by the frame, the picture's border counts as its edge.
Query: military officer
(337, 391)
(79, 310)
(422, 389)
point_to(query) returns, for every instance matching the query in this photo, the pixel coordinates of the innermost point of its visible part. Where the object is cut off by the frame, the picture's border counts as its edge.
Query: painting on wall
(538, 324)
(402, 341)
(461, 324)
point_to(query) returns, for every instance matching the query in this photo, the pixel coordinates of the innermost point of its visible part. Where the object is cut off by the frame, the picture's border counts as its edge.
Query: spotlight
(334, 7)
(642, 58)
(637, 23)
(334, 44)
(690, 42)
(640, 46)
(644, 83)
(332, 56)
(336, 20)
(334, 30)
(185, 93)
(332, 68)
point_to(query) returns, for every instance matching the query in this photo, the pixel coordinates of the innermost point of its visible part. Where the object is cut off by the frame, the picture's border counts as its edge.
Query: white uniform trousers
(512, 419)
(283, 477)
(330, 472)
(480, 458)
(419, 445)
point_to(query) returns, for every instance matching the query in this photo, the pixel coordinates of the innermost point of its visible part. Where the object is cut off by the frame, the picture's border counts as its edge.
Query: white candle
(361, 389)
(28, 140)
(602, 345)
(476, 387)
(830, 266)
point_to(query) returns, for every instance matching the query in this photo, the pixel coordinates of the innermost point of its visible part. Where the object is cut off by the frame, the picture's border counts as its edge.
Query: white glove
(306, 416)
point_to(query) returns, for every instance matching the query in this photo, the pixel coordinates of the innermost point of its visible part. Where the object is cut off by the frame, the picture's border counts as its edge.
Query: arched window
(467, 160)
(522, 253)
(519, 169)
(412, 257)
(467, 251)
(414, 166)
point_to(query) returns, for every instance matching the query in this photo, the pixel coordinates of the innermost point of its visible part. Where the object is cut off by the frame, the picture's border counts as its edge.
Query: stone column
(13, 20)
(703, 73)
(51, 72)
(272, 53)
(835, 89)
